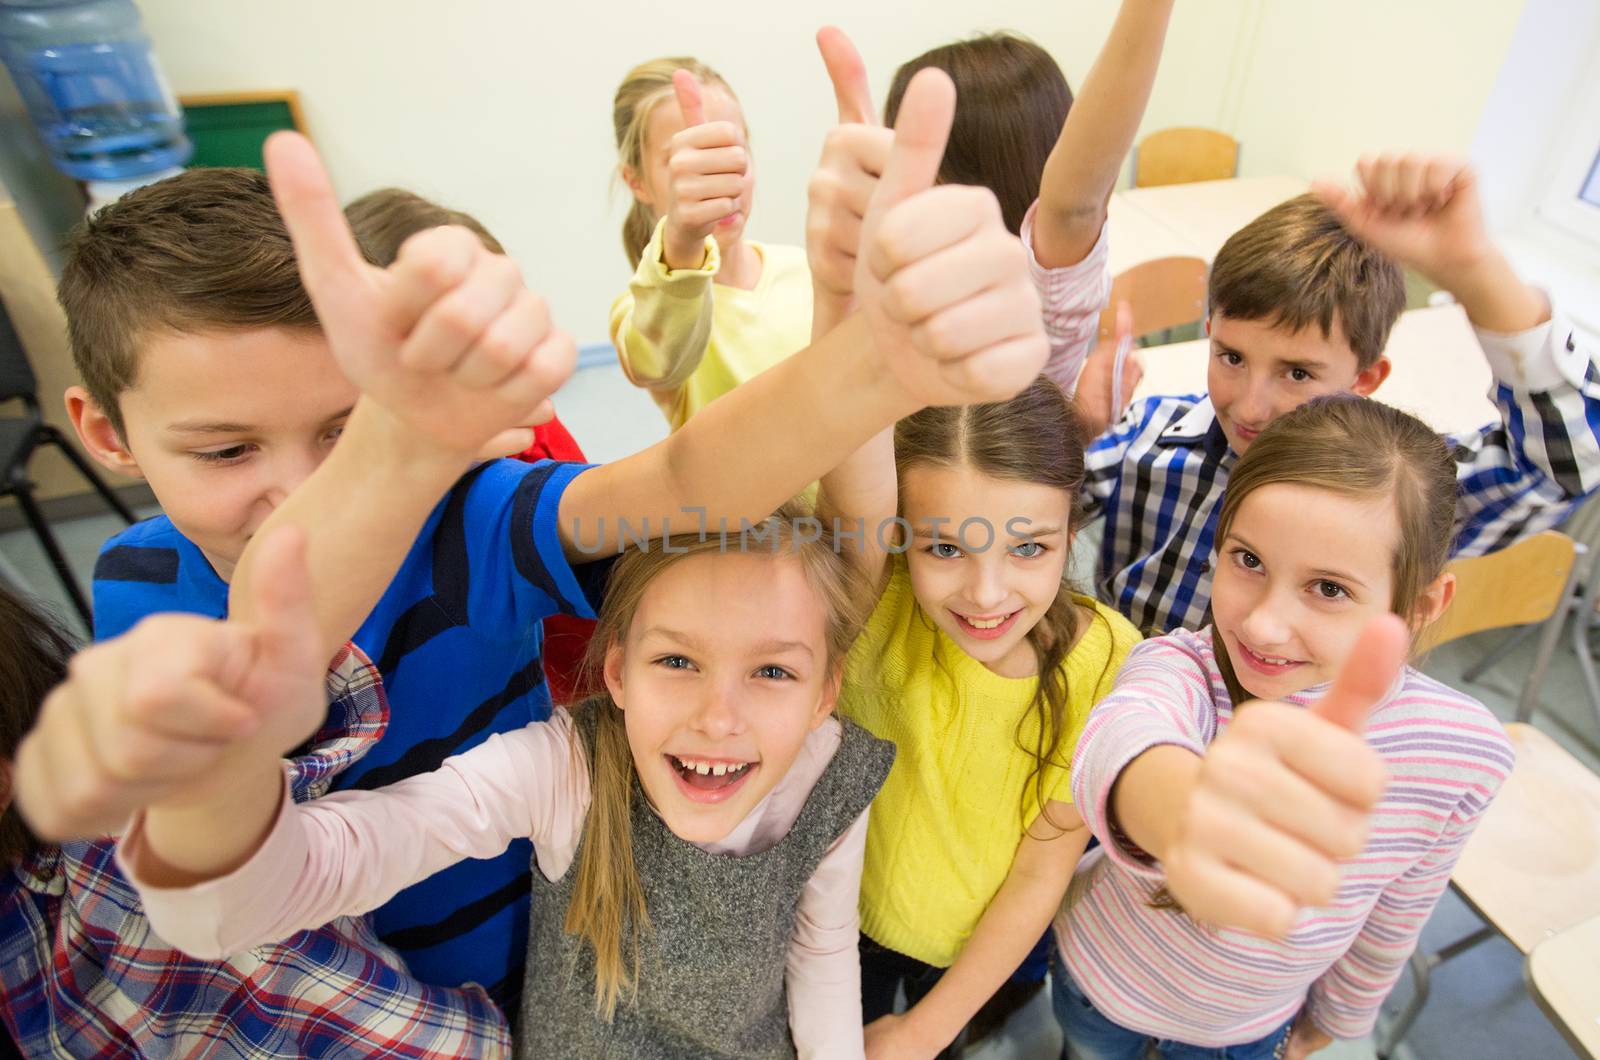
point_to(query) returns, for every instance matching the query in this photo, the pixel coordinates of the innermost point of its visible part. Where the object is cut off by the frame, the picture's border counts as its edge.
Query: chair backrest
(1515, 586)
(16, 375)
(1184, 155)
(1163, 293)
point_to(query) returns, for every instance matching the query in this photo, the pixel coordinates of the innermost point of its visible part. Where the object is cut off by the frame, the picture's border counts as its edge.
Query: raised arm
(662, 326)
(183, 715)
(453, 356)
(1082, 169)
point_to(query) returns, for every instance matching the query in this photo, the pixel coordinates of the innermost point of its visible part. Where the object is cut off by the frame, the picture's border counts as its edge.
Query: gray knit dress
(712, 972)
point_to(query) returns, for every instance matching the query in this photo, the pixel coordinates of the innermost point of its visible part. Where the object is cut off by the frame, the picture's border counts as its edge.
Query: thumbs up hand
(448, 339)
(1282, 795)
(708, 177)
(854, 155)
(165, 713)
(943, 285)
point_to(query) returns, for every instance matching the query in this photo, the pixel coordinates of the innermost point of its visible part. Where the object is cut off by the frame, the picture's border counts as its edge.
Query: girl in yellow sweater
(981, 666)
(707, 308)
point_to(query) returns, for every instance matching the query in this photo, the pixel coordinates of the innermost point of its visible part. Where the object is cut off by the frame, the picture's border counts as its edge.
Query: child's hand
(164, 713)
(709, 169)
(1305, 1038)
(853, 156)
(1097, 406)
(893, 1037)
(447, 340)
(1422, 211)
(1282, 795)
(944, 287)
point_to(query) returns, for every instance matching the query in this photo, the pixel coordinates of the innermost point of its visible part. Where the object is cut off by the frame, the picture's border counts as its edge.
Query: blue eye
(944, 550)
(1028, 550)
(675, 662)
(774, 673)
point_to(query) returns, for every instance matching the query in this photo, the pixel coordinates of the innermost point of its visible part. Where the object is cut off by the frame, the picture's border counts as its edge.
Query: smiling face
(723, 674)
(223, 425)
(1299, 574)
(986, 559)
(1258, 372)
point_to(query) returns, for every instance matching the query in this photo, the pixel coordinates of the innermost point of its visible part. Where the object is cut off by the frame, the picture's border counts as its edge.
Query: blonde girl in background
(707, 308)
(1260, 886)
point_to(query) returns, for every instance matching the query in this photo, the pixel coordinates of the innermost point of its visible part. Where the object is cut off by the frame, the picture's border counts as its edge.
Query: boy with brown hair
(452, 352)
(1302, 300)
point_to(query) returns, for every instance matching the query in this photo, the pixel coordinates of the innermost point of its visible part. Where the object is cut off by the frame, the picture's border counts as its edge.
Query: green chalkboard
(230, 132)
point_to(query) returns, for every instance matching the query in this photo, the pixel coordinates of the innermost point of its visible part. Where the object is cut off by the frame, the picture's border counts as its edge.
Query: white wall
(503, 109)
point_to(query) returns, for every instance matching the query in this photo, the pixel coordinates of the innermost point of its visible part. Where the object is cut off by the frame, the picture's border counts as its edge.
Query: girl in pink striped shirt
(1265, 871)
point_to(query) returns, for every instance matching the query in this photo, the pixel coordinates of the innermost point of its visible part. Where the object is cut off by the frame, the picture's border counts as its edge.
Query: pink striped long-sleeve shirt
(1160, 972)
(1071, 298)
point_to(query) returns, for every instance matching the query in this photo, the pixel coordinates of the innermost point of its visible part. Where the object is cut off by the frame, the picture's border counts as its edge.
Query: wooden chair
(1163, 294)
(1184, 155)
(1532, 868)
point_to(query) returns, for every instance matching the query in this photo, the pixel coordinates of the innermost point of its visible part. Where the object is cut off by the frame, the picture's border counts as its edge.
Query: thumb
(687, 89)
(849, 76)
(282, 610)
(324, 248)
(1350, 208)
(1367, 675)
(920, 131)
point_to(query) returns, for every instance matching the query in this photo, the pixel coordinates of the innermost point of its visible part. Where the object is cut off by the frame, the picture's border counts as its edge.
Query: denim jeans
(1090, 1036)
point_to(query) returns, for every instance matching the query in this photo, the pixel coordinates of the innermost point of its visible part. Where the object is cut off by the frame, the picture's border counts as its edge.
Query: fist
(1423, 211)
(944, 286)
(708, 172)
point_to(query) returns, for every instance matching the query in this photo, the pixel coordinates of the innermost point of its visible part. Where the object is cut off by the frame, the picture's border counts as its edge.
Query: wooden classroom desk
(1564, 974)
(1136, 237)
(1439, 373)
(1203, 215)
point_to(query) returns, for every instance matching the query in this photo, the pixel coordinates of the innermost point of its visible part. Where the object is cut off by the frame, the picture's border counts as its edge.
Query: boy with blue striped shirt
(1302, 300)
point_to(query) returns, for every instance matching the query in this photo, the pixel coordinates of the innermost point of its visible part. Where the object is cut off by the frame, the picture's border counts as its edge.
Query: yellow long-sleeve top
(946, 825)
(689, 340)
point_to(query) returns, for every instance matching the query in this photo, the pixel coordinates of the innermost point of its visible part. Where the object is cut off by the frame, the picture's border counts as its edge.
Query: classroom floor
(1480, 1008)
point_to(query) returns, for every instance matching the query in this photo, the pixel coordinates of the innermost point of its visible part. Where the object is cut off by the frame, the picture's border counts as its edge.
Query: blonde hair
(642, 90)
(607, 910)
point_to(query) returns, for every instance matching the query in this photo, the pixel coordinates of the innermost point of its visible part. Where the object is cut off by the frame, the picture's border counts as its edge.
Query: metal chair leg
(1549, 633)
(1497, 653)
(1582, 624)
(1422, 966)
(59, 440)
(47, 541)
(1421, 969)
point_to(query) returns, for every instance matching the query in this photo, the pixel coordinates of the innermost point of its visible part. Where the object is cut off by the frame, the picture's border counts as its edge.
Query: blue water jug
(86, 73)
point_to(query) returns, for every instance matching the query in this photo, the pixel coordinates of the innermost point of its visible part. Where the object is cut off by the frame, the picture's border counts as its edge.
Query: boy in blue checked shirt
(1302, 300)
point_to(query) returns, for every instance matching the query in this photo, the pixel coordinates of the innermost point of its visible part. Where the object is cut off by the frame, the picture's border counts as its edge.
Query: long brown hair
(1035, 437)
(1359, 448)
(644, 88)
(33, 659)
(608, 907)
(1012, 101)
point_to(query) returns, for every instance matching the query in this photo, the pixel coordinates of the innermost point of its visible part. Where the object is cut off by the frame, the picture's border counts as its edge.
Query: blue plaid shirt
(1159, 475)
(82, 973)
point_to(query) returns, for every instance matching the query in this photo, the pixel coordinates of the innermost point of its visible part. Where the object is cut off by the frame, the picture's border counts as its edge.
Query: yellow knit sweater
(947, 824)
